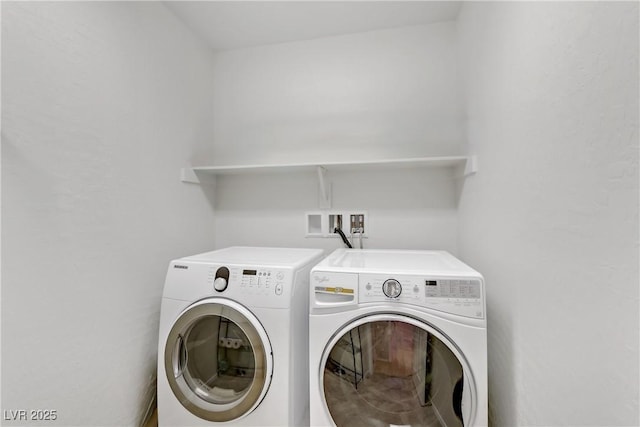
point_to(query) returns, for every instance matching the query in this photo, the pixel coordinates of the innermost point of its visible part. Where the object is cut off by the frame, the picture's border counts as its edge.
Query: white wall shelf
(191, 174)
(468, 164)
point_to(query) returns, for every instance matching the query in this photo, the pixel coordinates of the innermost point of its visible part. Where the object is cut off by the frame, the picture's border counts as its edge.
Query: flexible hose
(344, 238)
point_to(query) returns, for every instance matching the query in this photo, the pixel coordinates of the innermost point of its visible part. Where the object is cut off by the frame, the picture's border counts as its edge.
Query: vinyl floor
(153, 421)
(379, 401)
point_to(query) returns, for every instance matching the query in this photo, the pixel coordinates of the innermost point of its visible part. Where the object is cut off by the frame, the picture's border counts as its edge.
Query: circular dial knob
(392, 288)
(220, 284)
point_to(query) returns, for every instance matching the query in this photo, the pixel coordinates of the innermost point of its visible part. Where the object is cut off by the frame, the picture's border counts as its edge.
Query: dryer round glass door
(391, 369)
(218, 360)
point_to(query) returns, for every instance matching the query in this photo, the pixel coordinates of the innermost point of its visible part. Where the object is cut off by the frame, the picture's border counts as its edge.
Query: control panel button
(220, 284)
(280, 275)
(279, 289)
(392, 288)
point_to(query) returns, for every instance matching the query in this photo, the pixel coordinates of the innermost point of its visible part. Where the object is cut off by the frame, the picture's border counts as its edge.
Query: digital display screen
(249, 272)
(431, 283)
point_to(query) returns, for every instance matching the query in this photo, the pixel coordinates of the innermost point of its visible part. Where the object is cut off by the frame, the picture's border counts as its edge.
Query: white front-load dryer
(233, 338)
(397, 337)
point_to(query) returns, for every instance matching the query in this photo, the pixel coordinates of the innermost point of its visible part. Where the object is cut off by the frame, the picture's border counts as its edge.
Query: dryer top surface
(243, 255)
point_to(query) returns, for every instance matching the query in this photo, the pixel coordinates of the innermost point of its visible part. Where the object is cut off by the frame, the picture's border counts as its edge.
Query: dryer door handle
(180, 357)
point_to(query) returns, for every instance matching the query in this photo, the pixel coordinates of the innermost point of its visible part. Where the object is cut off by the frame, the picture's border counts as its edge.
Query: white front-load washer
(233, 339)
(397, 337)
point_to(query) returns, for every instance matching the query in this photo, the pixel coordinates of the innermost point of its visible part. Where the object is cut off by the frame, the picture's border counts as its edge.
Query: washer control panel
(391, 288)
(462, 296)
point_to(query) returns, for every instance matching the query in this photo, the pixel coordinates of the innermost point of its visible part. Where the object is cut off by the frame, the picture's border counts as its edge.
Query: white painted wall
(102, 103)
(407, 209)
(380, 94)
(551, 219)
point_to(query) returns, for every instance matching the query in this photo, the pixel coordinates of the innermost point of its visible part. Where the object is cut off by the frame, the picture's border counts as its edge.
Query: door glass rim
(260, 345)
(405, 318)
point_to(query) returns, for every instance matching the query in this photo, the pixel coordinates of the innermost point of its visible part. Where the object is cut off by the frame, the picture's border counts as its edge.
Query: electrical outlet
(314, 224)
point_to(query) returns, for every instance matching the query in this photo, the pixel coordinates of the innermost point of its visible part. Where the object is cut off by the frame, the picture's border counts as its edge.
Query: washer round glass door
(218, 360)
(391, 369)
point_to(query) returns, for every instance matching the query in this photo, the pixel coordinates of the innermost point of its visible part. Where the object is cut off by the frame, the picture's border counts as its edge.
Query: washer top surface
(282, 257)
(394, 261)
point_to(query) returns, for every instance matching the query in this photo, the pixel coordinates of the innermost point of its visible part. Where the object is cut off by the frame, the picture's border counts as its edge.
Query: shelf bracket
(471, 166)
(188, 175)
(324, 196)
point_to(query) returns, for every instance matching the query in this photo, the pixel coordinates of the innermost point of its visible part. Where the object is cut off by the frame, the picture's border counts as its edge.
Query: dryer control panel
(461, 296)
(255, 285)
